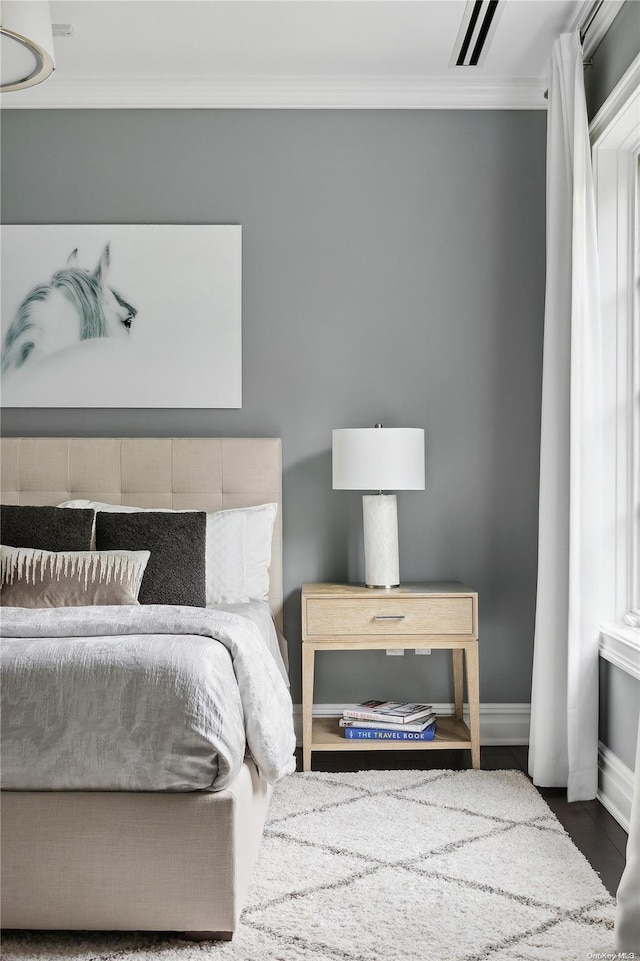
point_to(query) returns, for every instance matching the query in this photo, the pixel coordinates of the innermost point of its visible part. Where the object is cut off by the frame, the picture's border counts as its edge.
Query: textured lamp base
(380, 517)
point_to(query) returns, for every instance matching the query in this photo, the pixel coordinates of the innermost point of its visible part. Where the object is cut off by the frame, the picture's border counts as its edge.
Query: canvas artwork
(121, 316)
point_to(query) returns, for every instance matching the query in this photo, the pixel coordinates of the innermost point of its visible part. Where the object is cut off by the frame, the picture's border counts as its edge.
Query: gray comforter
(150, 698)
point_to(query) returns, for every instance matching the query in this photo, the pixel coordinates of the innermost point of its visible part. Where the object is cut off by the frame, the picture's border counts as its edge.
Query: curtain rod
(584, 30)
(583, 33)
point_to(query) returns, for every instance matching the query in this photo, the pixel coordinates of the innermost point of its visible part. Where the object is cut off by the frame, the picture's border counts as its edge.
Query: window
(616, 161)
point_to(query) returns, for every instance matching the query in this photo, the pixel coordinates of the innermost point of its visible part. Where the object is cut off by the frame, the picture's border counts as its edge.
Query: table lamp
(378, 459)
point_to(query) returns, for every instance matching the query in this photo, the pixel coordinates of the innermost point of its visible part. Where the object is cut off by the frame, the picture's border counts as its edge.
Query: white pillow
(258, 537)
(225, 562)
(238, 549)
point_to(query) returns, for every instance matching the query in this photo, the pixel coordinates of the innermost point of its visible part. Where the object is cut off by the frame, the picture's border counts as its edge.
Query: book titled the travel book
(376, 734)
(416, 726)
(391, 712)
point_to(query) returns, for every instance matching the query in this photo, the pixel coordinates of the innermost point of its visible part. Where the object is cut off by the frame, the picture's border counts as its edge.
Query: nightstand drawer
(336, 616)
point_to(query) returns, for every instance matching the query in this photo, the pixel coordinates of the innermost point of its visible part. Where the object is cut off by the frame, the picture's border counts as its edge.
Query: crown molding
(395, 93)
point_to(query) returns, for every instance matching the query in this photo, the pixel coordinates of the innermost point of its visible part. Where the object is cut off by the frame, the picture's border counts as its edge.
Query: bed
(139, 860)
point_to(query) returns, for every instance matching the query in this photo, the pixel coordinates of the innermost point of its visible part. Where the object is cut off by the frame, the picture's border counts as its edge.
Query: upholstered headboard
(202, 473)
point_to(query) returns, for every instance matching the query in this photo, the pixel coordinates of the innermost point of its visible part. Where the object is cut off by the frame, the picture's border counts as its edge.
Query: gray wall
(619, 711)
(619, 693)
(613, 55)
(393, 271)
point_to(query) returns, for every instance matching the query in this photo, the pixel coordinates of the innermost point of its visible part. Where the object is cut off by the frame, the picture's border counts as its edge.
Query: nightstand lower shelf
(451, 734)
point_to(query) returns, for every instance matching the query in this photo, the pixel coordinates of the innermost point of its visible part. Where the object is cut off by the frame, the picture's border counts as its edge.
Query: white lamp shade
(378, 459)
(26, 43)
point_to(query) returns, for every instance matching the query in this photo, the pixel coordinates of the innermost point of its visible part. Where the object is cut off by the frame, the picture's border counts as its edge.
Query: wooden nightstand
(440, 616)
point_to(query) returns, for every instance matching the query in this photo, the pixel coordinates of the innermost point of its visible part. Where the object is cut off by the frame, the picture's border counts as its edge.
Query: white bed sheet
(144, 698)
(260, 613)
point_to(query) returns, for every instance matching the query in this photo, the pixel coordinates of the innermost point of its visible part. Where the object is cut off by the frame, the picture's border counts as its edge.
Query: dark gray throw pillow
(45, 528)
(175, 572)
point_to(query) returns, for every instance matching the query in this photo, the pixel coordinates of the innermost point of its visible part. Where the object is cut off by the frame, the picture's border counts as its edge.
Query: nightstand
(439, 616)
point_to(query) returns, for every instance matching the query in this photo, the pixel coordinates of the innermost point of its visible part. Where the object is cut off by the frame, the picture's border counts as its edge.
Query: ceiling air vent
(476, 31)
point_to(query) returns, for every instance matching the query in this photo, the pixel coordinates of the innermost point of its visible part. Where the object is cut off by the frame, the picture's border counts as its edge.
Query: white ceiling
(289, 53)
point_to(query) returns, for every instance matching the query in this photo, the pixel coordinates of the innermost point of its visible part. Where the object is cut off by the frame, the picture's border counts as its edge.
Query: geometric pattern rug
(393, 866)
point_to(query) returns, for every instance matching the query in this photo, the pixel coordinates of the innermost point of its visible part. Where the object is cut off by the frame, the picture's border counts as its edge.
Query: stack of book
(389, 721)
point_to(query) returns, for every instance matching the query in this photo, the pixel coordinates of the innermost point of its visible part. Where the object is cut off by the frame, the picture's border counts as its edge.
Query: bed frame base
(208, 935)
(118, 861)
(80, 860)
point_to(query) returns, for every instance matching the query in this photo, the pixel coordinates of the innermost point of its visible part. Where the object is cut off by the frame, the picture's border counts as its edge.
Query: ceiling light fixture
(26, 48)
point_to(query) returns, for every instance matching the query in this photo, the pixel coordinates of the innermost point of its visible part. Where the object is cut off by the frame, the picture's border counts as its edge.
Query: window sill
(620, 645)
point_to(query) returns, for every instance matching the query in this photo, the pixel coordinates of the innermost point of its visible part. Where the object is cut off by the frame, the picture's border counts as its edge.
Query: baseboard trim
(615, 785)
(499, 723)
(508, 724)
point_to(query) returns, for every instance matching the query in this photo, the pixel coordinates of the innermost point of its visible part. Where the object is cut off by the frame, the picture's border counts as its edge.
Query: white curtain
(564, 700)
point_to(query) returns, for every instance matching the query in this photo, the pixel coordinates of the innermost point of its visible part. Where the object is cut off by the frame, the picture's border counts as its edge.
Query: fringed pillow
(30, 577)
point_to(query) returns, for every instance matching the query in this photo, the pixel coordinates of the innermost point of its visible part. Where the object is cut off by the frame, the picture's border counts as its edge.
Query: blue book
(376, 734)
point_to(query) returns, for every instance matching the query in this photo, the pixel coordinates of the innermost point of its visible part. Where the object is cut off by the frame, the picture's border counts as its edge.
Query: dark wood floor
(588, 823)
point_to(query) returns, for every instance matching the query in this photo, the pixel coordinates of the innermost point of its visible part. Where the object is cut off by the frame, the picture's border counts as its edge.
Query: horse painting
(74, 305)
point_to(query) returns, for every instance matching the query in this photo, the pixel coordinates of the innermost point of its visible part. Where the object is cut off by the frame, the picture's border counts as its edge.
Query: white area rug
(393, 866)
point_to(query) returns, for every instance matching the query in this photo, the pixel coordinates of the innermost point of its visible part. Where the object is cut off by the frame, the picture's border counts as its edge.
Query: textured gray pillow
(48, 528)
(30, 577)
(175, 573)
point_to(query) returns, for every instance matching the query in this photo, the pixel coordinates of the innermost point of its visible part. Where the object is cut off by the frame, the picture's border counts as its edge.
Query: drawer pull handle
(389, 617)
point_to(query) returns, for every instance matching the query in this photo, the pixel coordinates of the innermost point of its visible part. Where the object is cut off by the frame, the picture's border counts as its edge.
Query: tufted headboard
(201, 473)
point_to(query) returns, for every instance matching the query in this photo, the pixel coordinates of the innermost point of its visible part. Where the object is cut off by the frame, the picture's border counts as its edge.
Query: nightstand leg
(308, 655)
(458, 681)
(473, 692)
